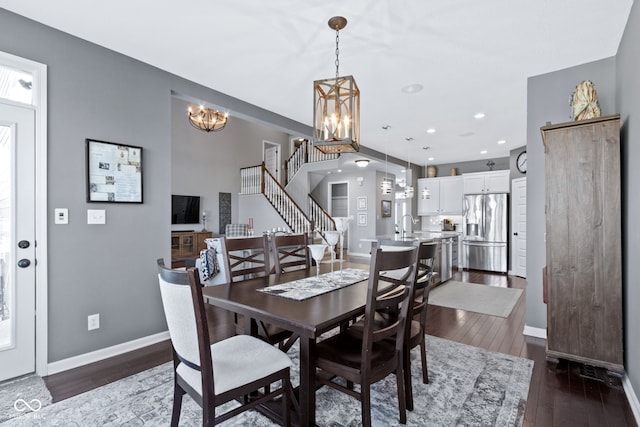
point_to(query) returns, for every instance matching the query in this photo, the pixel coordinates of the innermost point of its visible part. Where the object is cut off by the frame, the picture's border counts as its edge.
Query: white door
(271, 159)
(519, 225)
(17, 246)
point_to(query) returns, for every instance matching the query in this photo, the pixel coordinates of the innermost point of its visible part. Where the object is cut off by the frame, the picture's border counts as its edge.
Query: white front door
(17, 241)
(519, 224)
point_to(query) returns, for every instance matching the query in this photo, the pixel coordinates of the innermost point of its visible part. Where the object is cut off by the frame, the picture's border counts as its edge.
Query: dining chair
(369, 356)
(213, 374)
(415, 329)
(249, 257)
(290, 252)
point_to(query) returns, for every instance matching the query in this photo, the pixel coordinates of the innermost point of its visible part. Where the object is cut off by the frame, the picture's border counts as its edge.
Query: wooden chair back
(248, 257)
(290, 252)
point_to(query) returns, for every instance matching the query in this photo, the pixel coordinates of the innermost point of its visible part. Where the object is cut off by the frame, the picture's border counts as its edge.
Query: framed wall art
(114, 172)
(386, 208)
(362, 218)
(362, 203)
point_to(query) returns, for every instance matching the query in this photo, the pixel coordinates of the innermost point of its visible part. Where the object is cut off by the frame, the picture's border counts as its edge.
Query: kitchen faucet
(413, 221)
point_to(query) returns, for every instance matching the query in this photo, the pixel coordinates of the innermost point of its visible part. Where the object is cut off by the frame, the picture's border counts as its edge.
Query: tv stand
(187, 244)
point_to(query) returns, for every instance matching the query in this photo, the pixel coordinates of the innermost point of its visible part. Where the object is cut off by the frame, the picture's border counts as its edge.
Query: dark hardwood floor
(562, 395)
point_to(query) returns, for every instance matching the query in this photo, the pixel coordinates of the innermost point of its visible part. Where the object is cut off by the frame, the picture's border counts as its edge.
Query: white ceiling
(469, 56)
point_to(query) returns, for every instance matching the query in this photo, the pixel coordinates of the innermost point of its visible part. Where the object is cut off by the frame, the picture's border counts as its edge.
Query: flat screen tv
(185, 209)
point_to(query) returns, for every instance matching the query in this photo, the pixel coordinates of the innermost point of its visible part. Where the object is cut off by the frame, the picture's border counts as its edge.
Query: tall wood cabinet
(584, 251)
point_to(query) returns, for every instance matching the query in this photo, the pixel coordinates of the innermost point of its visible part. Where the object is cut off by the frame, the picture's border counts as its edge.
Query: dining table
(308, 318)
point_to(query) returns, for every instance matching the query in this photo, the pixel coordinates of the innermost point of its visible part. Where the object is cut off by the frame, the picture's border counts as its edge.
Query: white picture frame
(362, 219)
(362, 203)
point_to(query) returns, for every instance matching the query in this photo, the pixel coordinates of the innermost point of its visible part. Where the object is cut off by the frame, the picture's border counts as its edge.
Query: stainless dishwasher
(446, 259)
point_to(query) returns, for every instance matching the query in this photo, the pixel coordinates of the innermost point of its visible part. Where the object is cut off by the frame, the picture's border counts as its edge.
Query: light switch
(96, 216)
(61, 216)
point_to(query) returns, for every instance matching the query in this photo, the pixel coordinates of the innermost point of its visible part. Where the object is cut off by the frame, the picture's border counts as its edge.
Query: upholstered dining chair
(290, 252)
(369, 355)
(213, 374)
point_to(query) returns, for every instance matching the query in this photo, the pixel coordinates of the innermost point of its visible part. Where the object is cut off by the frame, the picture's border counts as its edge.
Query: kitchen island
(444, 262)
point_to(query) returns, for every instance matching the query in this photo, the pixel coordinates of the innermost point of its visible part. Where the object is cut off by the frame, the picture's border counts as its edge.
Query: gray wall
(376, 225)
(205, 164)
(110, 269)
(628, 103)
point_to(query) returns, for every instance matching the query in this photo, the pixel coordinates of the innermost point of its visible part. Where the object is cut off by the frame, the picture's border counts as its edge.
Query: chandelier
(336, 112)
(207, 119)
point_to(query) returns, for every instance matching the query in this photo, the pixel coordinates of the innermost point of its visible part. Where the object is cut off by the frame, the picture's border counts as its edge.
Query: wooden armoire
(583, 238)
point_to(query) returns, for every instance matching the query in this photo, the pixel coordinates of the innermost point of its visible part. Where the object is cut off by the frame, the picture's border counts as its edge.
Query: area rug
(22, 395)
(484, 299)
(468, 386)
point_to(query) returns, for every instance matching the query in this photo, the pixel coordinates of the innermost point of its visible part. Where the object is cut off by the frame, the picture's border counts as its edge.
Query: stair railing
(321, 218)
(305, 153)
(258, 180)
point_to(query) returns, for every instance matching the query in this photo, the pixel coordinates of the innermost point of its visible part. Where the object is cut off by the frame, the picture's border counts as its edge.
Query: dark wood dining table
(308, 318)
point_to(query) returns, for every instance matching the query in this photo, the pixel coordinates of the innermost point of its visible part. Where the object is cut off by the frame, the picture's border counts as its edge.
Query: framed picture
(362, 203)
(386, 208)
(114, 172)
(362, 218)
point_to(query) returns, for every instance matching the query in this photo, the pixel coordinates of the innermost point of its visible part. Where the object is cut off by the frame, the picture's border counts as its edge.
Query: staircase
(258, 180)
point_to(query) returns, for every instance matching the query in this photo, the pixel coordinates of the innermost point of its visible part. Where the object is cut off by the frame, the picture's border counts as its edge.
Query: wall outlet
(93, 322)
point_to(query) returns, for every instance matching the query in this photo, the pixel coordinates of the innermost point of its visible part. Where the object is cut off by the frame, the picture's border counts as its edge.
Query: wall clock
(521, 162)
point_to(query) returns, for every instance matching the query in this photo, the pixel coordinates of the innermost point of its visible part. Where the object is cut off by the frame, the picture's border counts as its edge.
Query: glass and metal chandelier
(336, 112)
(207, 119)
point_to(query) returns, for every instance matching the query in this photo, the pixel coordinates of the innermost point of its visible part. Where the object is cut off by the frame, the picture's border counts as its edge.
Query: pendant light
(408, 189)
(336, 111)
(426, 194)
(385, 186)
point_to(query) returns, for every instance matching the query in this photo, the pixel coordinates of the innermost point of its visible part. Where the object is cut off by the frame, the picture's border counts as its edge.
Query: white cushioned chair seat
(232, 359)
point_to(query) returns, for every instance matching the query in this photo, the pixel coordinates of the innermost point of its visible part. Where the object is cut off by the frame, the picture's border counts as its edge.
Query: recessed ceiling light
(483, 152)
(403, 170)
(413, 88)
(339, 170)
(431, 159)
(431, 130)
(502, 141)
(479, 115)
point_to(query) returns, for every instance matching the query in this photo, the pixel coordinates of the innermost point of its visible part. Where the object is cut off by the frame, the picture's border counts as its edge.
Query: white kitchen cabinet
(486, 182)
(446, 195)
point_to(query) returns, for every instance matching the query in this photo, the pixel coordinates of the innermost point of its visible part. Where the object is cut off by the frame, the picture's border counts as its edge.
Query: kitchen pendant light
(385, 186)
(336, 112)
(426, 194)
(408, 189)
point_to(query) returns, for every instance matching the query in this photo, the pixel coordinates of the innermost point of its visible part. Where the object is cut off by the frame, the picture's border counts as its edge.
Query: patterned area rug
(22, 395)
(483, 299)
(468, 386)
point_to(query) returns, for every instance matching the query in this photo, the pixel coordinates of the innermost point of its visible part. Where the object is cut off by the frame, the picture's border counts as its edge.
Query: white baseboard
(104, 353)
(535, 332)
(631, 397)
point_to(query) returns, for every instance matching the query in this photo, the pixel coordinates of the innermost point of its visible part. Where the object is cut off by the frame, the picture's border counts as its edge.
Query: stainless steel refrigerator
(484, 224)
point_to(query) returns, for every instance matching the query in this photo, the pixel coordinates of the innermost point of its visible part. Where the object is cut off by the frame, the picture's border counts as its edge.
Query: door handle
(24, 263)
(23, 244)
